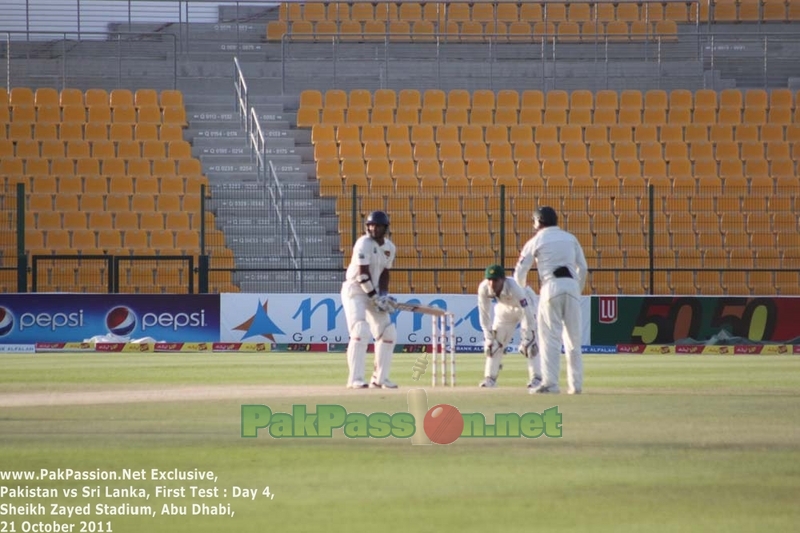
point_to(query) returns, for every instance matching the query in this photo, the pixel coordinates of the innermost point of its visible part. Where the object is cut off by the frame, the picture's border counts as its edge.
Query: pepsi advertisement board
(30, 318)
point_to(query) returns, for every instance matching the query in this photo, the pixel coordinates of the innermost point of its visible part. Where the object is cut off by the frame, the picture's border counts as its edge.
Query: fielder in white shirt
(514, 306)
(367, 306)
(562, 270)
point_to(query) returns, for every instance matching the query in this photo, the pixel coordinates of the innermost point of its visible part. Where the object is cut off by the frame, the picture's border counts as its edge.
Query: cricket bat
(419, 308)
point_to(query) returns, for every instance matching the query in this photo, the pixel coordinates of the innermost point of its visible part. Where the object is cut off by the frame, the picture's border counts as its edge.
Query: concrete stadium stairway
(248, 214)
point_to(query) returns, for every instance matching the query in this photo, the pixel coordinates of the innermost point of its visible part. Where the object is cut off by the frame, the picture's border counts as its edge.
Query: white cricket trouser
(362, 320)
(559, 317)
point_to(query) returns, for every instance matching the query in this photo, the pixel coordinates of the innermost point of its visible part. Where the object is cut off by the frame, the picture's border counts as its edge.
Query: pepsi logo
(121, 321)
(6, 321)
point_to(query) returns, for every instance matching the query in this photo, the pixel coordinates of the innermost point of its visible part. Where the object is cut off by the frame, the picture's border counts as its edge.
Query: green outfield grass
(655, 443)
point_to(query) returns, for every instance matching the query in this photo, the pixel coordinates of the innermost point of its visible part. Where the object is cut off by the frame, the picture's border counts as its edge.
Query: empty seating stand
(716, 160)
(465, 22)
(104, 173)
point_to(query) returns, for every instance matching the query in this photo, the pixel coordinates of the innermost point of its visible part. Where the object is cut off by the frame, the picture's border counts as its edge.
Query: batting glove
(384, 304)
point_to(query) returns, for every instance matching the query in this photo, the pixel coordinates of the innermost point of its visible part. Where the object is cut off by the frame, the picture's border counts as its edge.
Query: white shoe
(357, 385)
(535, 382)
(488, 383)
(385, 385)
(541, 389)
(574, 391)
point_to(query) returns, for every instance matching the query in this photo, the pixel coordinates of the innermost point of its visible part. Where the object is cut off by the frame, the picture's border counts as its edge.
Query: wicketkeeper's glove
(490, 344)
(528, 346)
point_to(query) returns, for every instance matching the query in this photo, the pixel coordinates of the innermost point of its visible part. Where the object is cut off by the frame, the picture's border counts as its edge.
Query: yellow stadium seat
(706, 116)
(96, 97)
(410, 98)
(555, 12)
(725, 11)
(311, 98)
(676, 11)
(145, 97)
(118, 202)
(580, 12)
(52, 148)
(457, 116)
(437, 99)
(508, 99)
(506, 116)
(756, 98)
(120, 132)
(647, 133)
(21, 96)
(399, 30)
(407, 115)
(521, 134)
(780, 115)
(625, 150)
(666, 30)
(781, 98)
(174, 115)
(121, 98)
(640, 31)
(607, 117)
(314, 11)
(757, 116)
(140, 168)
(40, 168)
(357, 115)
(617, 31)
(525, 150)
(752, 150)
(171, 97)
(630, 117)
(731, 98)
(69, 132)
(555, 116)
(568, 31)
(543, 31)
(706, 98)
(746, 133)
(48, 114)
(27, 149)
(410, 11)
(695, 133)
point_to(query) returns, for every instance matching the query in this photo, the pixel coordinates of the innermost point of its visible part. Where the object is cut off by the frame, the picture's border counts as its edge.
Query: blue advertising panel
(29, 318)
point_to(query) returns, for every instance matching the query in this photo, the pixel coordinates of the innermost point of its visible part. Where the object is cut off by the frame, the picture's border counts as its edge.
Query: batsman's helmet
(377, 218)
(545, 216)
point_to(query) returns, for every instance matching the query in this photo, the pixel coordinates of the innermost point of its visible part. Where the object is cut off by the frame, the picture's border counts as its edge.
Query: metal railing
(181, 18)
(111, 59)
(242, 97)
(661, 238)
(699, 60)
(265, 169)
(295, 253)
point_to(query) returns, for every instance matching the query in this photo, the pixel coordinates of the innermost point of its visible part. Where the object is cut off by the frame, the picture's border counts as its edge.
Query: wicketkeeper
(514, 306)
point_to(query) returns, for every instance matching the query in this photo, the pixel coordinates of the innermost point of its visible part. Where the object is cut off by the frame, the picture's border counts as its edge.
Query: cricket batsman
(367, 305)
(514, 306)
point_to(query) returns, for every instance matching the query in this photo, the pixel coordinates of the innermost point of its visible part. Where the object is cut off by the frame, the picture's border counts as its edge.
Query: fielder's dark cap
(495, 272)
(546, 216)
